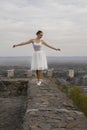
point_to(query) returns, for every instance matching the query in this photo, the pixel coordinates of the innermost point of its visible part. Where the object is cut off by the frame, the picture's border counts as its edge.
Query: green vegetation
(77, 95)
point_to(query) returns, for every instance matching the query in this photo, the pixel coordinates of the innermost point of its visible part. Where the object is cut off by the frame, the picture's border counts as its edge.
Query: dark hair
(38, 32)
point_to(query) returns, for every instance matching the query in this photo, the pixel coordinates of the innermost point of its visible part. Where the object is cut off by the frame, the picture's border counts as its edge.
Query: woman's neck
(38, 38)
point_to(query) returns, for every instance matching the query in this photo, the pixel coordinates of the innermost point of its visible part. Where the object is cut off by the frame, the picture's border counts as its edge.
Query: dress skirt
(39, 61)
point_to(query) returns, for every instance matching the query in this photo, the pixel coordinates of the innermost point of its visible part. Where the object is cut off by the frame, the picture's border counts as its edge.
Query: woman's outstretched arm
(46, 44)
(23, 43)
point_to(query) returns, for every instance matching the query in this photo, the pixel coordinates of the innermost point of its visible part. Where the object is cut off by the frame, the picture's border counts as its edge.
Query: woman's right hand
(58, 49)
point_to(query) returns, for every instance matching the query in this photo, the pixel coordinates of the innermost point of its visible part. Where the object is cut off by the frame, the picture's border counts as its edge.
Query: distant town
(66, 70)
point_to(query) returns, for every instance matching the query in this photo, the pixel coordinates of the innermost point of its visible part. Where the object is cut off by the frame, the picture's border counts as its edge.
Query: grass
(77, 95)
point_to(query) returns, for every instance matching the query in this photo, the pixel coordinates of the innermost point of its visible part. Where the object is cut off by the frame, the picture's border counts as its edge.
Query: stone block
(10, 73)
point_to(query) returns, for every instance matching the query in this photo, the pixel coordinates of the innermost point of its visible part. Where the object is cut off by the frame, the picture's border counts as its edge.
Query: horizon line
(46, 56)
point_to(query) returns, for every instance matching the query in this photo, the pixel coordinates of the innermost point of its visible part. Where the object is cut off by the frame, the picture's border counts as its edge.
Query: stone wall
(50, 109)
(13, 94)
(26, 106)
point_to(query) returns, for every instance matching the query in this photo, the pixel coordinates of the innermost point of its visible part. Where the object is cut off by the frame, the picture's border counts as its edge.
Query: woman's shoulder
(32, 40)
(42, 41)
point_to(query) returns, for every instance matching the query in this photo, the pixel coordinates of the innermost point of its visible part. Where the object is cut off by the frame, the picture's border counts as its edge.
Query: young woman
(39, 61)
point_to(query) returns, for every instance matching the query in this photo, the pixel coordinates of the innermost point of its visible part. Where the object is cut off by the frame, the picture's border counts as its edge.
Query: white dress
(39, 61)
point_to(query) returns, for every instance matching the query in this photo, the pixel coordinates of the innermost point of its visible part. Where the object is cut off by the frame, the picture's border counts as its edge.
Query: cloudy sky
(64, 23)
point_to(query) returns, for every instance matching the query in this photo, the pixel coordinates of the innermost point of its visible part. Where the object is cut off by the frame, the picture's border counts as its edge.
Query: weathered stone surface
(13, 94)
(50, 109)
(12, 111)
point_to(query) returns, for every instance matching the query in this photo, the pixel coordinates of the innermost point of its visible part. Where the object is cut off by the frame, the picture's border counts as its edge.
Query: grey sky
(64, 23)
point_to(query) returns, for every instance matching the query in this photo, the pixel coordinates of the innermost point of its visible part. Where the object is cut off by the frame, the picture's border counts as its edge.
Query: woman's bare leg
(39, 74)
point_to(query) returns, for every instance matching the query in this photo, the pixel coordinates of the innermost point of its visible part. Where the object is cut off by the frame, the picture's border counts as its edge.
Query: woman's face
(40, 35)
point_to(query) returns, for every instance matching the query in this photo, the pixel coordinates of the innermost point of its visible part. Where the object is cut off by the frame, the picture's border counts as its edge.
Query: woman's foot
(39, 83)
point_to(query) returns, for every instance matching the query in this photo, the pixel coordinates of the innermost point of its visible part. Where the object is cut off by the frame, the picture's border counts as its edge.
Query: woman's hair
(38, 32)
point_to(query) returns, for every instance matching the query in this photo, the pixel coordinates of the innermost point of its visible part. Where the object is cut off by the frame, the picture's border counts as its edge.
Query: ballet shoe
(39, 83)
